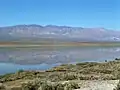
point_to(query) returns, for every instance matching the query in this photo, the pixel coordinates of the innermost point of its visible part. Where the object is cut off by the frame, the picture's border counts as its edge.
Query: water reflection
(56, 55)
(45, 58)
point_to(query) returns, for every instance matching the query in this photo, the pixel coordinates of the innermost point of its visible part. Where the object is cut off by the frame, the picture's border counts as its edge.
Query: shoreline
(94, 75)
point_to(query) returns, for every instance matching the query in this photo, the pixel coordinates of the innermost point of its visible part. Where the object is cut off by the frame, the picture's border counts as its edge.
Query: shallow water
(11, 68)
(42, 58)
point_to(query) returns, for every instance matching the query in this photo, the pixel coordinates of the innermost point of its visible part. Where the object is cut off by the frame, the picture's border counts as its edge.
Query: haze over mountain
(63, 33)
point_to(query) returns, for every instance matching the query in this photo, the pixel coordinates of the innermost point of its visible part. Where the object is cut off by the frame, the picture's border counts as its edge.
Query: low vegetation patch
(37, 84)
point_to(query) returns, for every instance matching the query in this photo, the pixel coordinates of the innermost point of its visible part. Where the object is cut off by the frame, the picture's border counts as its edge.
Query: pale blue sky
(82, 13)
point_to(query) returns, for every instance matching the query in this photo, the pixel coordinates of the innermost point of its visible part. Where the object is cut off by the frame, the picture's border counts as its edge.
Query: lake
(42, 58)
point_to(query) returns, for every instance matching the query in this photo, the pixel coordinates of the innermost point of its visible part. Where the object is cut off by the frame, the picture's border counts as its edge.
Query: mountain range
(63, 33)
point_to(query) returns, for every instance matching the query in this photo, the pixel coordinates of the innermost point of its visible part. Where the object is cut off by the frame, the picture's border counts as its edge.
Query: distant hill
(63, 33)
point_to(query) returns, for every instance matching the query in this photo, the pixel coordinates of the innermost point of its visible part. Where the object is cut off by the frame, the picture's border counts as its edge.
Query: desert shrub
(71, 86)
(62, 76)
(28, 86)
(54, 76)
(51, 86)
(108, 77)
(70, 76)
(31, 85)
(118, 75)
(14, 88)
(60, 86)
(86, 64)
(104, 71)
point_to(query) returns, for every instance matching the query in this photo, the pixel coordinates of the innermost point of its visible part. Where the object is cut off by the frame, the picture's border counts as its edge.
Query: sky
(76, 13)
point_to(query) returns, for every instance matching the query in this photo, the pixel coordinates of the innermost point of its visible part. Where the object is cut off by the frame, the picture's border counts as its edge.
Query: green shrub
(117, 58)
(19, 71)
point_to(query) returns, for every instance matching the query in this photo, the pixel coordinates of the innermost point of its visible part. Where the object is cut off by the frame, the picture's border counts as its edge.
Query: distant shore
(48, 44)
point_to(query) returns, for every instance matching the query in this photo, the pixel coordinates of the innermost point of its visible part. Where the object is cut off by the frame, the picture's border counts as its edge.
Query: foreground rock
(68, 85)
(99, 85)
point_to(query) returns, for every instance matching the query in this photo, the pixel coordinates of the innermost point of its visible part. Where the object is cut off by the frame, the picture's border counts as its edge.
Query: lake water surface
(42, 58)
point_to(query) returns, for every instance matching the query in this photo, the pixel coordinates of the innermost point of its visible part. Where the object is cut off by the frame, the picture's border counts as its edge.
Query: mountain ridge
(58, 32)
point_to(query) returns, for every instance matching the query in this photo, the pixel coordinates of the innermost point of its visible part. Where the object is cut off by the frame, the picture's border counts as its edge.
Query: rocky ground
(84, 85)
(99, 85)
